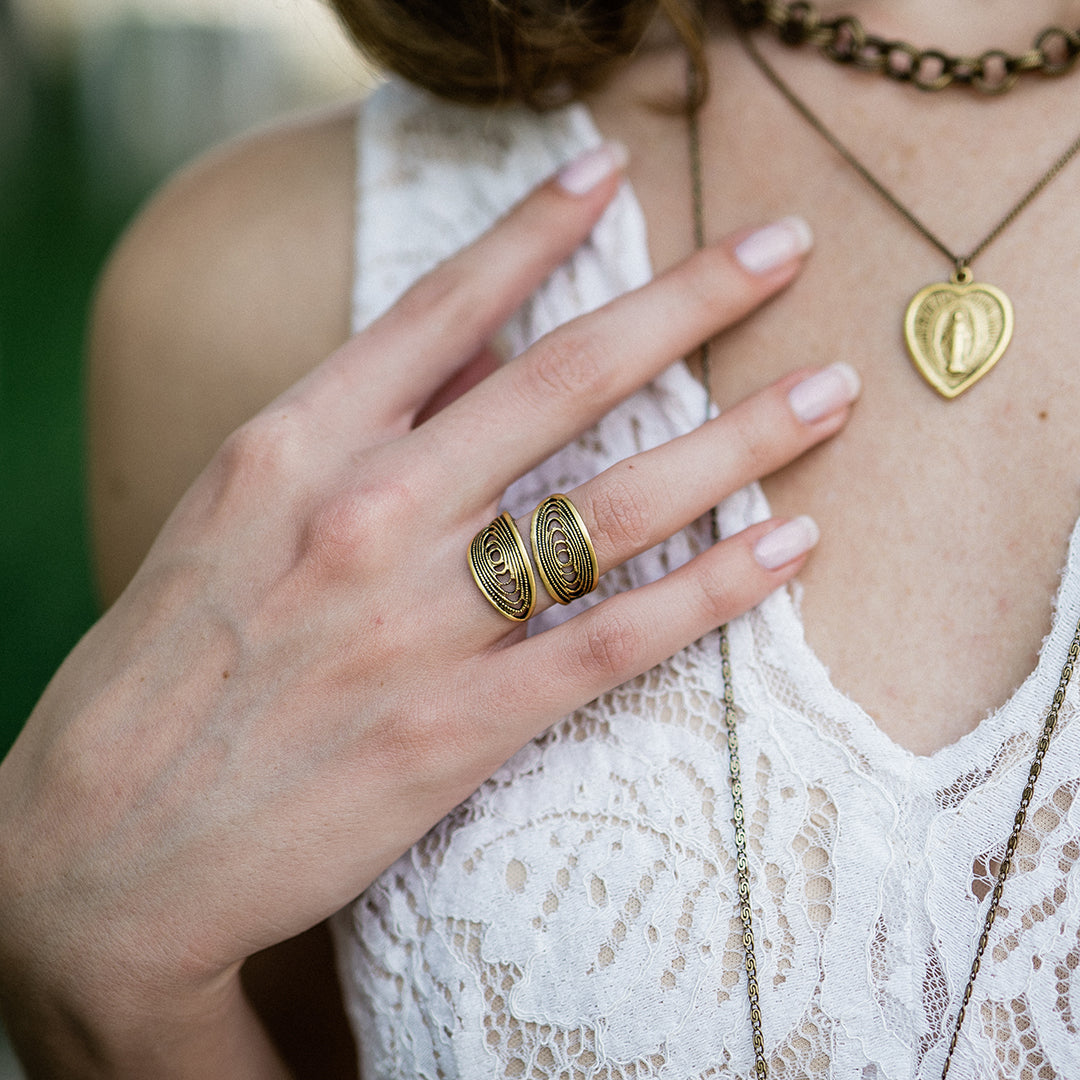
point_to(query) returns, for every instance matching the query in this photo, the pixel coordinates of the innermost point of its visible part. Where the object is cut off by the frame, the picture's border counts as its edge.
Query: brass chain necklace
(843, 40)
(742, 861)
(955, 330)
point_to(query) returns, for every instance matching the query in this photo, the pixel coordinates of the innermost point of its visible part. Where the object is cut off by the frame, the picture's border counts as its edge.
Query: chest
(945, 523)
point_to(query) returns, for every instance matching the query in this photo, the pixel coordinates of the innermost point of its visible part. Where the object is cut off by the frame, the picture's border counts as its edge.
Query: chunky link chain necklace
(843, 40)
(955, 330)
(742, 861)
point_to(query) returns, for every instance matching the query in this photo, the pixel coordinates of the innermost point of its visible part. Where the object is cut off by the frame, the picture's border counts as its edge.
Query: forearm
(217, 1038)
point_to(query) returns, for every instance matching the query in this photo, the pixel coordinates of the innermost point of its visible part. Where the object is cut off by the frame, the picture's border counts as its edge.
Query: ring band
(565, 556)
(501, 569)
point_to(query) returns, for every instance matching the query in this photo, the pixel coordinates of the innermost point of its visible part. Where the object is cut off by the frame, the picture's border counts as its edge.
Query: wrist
(57, 1034)
(92, 982)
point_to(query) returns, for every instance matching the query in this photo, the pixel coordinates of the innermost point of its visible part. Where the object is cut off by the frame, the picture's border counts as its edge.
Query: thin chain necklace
(843, 40)
(742, 862)
(955, 330)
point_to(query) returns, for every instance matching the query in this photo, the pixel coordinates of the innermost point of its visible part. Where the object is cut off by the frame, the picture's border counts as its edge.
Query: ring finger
(641, 501)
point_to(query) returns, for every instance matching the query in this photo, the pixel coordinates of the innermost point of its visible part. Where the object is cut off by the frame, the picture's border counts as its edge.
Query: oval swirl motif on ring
(565, 557)
(501, 569)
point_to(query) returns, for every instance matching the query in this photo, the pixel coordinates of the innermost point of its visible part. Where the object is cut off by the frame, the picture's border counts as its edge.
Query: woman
(303, 694)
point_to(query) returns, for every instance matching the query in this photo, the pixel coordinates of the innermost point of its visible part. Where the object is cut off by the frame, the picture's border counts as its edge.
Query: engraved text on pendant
(956, 332)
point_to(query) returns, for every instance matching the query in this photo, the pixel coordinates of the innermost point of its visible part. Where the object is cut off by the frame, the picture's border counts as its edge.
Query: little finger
(553, 673)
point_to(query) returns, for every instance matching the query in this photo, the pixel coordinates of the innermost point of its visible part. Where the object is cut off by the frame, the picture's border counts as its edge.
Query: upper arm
(232, 283)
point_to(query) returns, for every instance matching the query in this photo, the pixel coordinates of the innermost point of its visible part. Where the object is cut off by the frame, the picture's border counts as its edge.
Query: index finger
(445, 318)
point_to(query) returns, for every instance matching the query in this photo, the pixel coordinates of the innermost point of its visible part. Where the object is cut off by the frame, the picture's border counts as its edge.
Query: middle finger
(564, 383)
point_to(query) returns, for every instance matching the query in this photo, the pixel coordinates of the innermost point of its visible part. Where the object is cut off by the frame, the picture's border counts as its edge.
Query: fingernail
(824, 392)
(786, 542)
(774, 245)
(586, 171)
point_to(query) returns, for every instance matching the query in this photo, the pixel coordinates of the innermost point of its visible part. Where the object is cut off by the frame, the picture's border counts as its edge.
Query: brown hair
(540, 52)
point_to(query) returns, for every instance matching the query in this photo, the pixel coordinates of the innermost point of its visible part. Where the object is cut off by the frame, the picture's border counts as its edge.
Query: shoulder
(232, 282)
(251, 241)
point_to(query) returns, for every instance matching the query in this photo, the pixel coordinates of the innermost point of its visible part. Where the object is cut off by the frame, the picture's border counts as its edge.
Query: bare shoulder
(230, 284)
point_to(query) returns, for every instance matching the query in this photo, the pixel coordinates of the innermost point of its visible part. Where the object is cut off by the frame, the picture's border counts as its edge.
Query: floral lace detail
(575, 919)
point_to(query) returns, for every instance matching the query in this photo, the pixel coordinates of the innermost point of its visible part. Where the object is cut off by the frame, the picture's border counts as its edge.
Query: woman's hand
(303, 677)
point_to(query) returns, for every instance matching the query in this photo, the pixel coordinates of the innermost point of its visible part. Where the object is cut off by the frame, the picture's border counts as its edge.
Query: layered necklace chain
(955, 330)
(743, 881)
(842, 39)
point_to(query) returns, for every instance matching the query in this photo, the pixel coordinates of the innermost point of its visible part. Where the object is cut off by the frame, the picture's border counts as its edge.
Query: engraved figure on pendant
(958, 339)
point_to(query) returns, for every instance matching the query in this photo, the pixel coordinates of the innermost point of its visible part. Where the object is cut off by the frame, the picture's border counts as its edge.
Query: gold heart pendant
(956, 332)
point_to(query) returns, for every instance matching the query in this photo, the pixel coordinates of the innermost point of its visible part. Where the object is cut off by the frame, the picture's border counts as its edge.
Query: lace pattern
(575, 918)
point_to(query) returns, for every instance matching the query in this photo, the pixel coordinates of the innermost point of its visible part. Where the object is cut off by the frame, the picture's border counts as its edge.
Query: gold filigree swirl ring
(564, 553)
(501, 569)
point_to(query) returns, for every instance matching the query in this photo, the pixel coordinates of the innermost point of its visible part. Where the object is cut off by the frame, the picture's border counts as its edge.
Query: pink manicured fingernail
(824, 392)
(774, 245)
(786, 542)
(588, 170)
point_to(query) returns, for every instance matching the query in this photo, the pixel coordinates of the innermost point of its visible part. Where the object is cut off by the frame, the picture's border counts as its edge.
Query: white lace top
(576, 917)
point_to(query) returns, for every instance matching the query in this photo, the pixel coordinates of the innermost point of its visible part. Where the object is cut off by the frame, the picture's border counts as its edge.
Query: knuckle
(355, 527)
(727, 582)
(716, 594)
(262, 452)
(430, 740)
(752, 449)
(707, 274)
(420, 741)
(622, 517)
(570, 365)
(440, 298)
(610, 647)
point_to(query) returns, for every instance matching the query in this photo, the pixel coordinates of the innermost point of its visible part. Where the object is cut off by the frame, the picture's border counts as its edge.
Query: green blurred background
(99, 100)
(50, 246)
